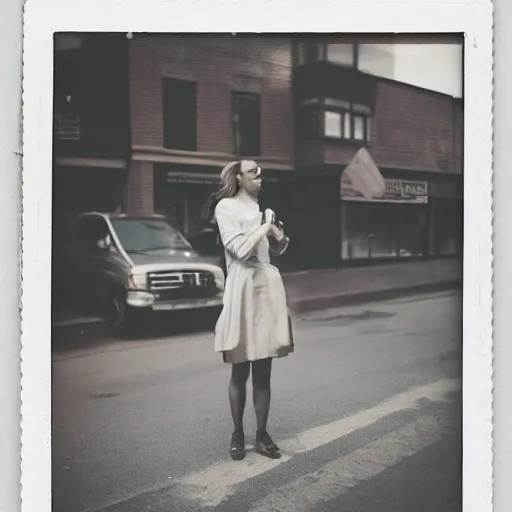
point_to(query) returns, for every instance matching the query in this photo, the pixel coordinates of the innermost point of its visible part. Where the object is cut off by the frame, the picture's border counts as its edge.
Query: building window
(179, 114)
(339, 120)
(359, 127)
(347, 126)
(333, 126)
(385, 230)
(342, 54)
(246, 124)
(309, 52)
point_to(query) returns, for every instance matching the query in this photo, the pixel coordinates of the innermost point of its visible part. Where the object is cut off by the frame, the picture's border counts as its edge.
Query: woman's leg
(238, 393)
(261, 371)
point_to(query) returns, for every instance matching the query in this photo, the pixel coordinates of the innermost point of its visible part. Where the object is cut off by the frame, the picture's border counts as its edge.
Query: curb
(99, 328)
(343, 299)
(86, 331)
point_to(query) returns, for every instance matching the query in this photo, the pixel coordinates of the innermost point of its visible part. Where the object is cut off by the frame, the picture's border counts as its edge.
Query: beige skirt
(245, 352)
(259, 326)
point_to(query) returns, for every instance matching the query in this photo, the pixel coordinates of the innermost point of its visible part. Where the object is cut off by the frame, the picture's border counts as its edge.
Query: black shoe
(266, 447)
(237, 450)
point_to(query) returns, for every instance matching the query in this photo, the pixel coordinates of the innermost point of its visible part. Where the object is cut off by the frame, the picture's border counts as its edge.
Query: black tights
(261, 370)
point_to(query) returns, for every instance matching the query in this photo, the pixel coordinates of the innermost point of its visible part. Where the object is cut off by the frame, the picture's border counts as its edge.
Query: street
(367, 413)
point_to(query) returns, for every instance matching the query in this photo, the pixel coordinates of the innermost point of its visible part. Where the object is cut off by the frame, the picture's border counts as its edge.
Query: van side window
(86, 231)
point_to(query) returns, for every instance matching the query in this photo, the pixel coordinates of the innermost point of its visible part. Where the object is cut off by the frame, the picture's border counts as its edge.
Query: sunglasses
(253, 172)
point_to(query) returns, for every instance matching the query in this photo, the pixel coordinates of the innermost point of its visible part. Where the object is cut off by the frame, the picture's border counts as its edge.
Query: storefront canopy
(193, 177)
(362, 178)
(204, 178)
(362, 181)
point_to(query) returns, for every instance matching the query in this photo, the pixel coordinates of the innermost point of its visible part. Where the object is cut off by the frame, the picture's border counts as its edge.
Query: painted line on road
(214, 484)
(318, 436)
(337, 477)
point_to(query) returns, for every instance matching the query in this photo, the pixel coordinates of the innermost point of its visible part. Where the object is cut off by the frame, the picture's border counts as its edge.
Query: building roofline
(416, 87)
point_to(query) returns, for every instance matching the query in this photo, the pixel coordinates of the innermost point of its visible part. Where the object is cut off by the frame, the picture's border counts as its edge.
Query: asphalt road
(367, 412)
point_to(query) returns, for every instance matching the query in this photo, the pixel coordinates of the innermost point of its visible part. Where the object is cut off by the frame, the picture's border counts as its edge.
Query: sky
(433, 66)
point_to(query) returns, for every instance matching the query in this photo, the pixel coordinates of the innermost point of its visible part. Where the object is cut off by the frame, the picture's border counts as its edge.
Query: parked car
(129, 264)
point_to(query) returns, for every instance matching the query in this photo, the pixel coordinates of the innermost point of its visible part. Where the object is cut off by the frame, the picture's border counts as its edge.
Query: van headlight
(219, 281)
(137, 281)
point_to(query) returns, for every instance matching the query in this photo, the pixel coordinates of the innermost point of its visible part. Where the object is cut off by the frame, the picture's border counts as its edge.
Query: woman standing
(253, 327)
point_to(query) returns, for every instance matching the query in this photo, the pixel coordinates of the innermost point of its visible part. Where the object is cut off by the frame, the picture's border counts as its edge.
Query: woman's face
(250, 177)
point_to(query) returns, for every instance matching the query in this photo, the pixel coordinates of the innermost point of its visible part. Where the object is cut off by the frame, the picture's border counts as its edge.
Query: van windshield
(144, 235)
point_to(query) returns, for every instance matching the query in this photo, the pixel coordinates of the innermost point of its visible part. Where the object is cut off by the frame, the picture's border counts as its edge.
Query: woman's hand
(277, 232)
(269, 216)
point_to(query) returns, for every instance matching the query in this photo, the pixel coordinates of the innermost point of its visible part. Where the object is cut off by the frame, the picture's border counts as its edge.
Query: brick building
(91, 148)
(413, 139)
(199, 102)
(173, 109)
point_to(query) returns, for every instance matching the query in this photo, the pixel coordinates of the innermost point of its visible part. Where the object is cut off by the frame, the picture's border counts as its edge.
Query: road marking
(217, 482)
(214, 484)
(337, 477)
(318, 436)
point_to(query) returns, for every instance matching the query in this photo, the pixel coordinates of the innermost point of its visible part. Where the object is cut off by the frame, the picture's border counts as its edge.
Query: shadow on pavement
(155, 326)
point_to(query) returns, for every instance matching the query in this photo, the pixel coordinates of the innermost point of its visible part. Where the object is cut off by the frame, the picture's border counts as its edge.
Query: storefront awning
(362, 181)
(362, 178)
(198, 178)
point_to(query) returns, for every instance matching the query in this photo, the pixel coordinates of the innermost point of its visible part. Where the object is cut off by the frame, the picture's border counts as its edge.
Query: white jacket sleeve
(236, 242)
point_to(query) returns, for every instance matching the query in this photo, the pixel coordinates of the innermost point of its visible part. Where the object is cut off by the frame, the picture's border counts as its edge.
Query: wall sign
(406, 189)
(66, 126)
(395, 191)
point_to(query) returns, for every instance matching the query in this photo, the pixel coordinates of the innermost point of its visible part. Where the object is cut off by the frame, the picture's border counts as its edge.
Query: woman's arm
(236, 242)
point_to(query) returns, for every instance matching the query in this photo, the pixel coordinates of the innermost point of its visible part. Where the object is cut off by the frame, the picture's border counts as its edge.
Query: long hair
(229, 187)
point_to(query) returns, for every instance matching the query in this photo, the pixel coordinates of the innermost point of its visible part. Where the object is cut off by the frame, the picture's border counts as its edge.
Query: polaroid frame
(42, 19)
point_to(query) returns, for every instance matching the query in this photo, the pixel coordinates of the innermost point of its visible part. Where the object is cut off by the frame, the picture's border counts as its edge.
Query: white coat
(254, 322)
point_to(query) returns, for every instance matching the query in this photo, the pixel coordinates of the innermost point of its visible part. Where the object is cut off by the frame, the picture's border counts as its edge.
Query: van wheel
(117, 312)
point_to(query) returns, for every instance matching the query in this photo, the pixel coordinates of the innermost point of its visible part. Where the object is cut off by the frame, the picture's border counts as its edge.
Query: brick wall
(218, 64)
(323, 151)
(139, 189)
(416, 129)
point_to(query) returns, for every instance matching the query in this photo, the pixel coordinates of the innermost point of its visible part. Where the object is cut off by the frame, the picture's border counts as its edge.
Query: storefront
(182, 195)
(385, 217)
(446, 218)
(183, 192)
(394, 225)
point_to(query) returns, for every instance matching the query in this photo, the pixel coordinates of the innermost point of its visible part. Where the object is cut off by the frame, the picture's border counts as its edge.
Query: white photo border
(43, 18)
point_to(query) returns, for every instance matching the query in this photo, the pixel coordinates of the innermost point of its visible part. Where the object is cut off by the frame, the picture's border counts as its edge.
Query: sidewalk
(321, 289)
(318, 289)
